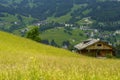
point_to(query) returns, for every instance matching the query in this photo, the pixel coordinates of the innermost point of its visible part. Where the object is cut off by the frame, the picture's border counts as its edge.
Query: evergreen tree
(53, 43)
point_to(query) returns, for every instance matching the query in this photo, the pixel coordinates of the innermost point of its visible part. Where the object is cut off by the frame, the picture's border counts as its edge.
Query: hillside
(23, 59)
(13, 44)
(61, 35)
(17, 14)
(86, 18)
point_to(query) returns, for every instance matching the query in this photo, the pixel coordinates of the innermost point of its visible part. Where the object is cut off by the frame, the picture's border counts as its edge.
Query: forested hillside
(102, 16)
(102, 13)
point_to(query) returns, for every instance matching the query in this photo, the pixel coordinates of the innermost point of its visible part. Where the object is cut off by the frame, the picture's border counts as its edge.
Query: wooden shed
(95, 47)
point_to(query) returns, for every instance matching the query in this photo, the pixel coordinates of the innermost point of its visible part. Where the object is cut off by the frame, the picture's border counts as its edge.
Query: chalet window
(85, 42)
(99, 45)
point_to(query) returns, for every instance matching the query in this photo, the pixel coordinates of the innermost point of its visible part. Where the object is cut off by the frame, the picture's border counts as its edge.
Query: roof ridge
(86, 43)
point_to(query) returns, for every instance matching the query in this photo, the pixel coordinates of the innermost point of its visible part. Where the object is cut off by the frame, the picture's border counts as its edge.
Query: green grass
(67, 17)
(64, 18)
(28, 20)
(9, 20)
(59, 35)
(85, 21)
(61, 19)
(10, 43)
(23, 59)
(86, 12)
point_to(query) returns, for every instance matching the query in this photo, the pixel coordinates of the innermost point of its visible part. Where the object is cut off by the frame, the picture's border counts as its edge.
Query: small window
(99, 45)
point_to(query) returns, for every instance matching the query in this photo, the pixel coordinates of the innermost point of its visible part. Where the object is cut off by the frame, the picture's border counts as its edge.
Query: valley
(38, 38)
(75, 15)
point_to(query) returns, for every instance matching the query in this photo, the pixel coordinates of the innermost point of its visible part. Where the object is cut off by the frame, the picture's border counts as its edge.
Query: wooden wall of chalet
(99, 45)
(98, 49)
(96, 53)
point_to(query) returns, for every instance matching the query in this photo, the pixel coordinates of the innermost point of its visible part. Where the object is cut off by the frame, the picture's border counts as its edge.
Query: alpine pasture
(23, 59)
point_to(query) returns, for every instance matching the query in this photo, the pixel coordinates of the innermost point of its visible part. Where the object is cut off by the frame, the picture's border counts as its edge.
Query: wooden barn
(95, 47)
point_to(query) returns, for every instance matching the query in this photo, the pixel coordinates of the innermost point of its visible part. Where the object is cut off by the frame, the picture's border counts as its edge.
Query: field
(14, 20)
(64, 18)
(23, 59)
(59, 35)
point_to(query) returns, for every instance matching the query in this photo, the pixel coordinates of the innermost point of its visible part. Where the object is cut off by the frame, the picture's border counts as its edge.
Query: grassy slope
(64, 18)
(10, 43)
(67, 17)
(8, 20)
(59, 35)
(22, 59)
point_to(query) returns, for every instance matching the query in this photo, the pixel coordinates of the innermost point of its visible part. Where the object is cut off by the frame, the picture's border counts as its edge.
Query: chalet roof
(86, 43)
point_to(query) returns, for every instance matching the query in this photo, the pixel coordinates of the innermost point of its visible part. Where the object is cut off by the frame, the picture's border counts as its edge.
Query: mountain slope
(102, 13)
(23, 59)
(61, 35)
(14, 44)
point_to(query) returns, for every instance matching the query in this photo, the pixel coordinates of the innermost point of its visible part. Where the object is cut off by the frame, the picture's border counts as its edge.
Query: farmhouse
(94, 47)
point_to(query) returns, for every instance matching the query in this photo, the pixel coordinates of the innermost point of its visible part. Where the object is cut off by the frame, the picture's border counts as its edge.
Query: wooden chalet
(94, 47)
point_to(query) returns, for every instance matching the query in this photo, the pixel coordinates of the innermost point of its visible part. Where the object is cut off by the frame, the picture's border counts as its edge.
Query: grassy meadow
(23, 59)
(65, 18)
(59, 35)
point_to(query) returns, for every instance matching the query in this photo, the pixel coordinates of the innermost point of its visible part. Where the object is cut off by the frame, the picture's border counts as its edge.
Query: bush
(109, 56)
(33, 34)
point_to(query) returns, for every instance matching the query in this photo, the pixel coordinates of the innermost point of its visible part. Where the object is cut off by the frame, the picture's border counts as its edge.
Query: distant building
(40, 23)
(68, 25)
(117, 32)
(95, 47)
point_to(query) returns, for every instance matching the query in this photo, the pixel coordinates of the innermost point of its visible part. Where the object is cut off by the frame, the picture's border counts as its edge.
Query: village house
(95, 47)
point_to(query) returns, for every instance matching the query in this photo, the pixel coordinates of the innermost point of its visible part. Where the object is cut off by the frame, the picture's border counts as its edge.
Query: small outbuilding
(95, 47)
